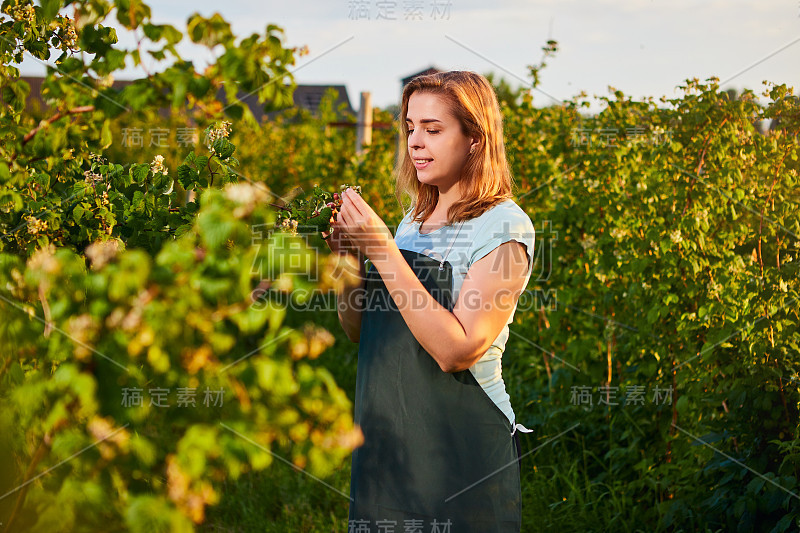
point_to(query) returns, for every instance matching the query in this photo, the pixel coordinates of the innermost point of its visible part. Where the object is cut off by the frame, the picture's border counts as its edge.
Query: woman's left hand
(362, 226)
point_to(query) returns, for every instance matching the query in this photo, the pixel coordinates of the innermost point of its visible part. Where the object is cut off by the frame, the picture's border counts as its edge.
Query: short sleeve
(504, 225)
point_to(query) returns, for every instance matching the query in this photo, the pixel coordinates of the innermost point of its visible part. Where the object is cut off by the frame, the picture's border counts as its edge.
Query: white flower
(90, 177)
(675, 236)
(618, 233)
(35, 225)
(107, 81)
(247, 195)
(44, 260)
(157, 166)
(23, 14)
(591, 184)
(66, 33)
(220, 131)
(588, 242)
(101, 252)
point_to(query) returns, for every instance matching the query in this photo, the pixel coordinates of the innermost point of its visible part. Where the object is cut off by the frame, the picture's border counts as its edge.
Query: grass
(280, 499)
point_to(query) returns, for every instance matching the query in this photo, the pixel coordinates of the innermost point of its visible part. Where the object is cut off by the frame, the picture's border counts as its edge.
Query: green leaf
(158, 55)
(5, 174)
(670, 298)
(235, 111)
(251, 320)
(209, 31)
(223, 148)
(105, 135)
(682, 403)
(137, 204)
(78, 212)
(182, 230)
(50, 9)
(139, 172)
(161, 181)
(707, 348)
(215, 228)
(38, 49)
(152, 31)
(97, 39)
(187, 176)
(199, 86)
(172, 35)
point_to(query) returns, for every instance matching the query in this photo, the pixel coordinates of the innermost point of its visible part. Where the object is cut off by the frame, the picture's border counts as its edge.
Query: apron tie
(521, 428)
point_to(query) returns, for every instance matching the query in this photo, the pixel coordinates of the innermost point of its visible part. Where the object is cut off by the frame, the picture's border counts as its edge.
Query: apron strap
(441, 264)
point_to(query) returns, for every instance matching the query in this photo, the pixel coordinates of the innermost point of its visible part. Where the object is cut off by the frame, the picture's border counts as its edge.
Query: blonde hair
(486, 177)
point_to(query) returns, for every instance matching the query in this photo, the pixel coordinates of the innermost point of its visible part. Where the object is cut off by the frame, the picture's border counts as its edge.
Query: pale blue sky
(641, 47)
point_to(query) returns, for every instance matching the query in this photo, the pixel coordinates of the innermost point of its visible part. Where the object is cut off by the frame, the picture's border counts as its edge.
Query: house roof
(430, 70)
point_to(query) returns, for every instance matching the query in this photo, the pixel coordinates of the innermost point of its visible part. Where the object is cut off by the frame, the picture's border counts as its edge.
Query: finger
(343, 218)
(358, 199)
(353, 198)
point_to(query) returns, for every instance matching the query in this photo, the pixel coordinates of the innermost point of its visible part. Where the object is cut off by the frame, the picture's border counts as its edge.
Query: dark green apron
(436, 447)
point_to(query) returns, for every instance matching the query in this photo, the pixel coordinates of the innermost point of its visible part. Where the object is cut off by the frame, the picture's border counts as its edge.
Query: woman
(431, 317)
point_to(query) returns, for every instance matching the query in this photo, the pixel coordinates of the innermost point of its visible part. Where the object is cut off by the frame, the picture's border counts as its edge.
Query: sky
(640, 47)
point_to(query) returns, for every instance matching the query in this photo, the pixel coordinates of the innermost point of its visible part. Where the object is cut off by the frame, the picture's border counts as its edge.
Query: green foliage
(312, 214)
(668, 236)
(141, 366)
(181, 321)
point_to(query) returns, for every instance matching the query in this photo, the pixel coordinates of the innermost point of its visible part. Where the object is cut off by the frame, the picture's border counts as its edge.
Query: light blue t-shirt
(463, 243)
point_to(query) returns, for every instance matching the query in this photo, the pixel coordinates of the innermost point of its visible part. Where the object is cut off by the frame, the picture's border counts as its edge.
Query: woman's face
(437, 146)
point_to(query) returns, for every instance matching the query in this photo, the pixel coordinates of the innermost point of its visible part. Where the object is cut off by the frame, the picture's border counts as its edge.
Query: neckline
(419, 226)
